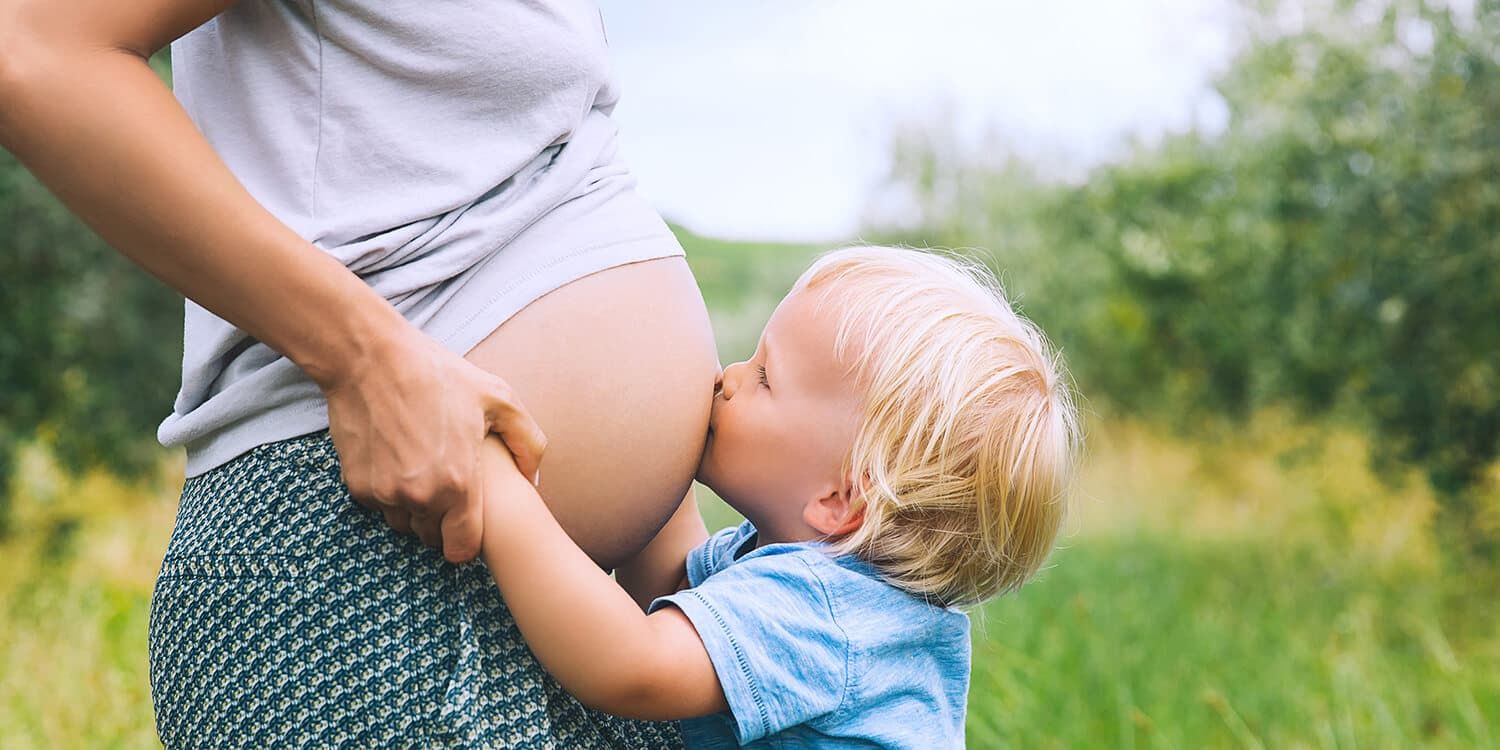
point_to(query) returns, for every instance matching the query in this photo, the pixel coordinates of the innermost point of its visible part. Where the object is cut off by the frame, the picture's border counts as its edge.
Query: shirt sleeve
(770, 629)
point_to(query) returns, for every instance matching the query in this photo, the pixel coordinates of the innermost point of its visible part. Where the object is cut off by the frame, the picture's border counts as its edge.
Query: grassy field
(1260, 590)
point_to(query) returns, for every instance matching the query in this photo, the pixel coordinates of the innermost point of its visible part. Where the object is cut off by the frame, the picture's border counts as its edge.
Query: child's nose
(729, 380)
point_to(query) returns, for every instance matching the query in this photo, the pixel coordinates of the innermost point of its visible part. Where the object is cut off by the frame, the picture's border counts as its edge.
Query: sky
(773, 119)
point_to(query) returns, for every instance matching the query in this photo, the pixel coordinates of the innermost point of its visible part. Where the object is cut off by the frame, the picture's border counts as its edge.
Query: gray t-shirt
(459, 157)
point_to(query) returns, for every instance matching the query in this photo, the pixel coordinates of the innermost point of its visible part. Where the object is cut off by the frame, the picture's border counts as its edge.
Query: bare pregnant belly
(618, 368)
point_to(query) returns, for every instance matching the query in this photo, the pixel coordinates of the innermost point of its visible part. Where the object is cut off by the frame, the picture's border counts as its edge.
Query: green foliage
(91, 346)
(1336, 247)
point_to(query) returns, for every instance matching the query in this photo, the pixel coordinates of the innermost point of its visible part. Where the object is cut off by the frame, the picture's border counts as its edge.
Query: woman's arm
(80, 107)
(660, 568)
(584, 628)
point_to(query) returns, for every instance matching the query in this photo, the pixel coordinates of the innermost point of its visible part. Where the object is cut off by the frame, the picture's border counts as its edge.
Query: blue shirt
(817, 651)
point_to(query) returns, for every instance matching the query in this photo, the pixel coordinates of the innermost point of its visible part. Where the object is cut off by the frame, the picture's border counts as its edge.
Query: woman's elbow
(18, 54)
(40, 38)
(34, 53)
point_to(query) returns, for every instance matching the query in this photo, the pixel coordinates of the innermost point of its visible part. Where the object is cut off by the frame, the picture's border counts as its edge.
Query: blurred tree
(91, 346)
(1336, 247)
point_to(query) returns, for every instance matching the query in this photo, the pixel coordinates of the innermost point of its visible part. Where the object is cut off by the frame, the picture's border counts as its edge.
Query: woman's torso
(459, 158)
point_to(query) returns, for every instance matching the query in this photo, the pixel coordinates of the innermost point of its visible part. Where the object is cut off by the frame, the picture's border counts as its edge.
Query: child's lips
(713, 412)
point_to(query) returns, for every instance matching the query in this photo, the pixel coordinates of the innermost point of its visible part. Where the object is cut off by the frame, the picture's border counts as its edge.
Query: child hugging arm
(601, 646)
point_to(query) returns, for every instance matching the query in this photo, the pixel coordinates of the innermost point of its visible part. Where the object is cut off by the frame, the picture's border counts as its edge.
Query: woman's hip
(287, 615)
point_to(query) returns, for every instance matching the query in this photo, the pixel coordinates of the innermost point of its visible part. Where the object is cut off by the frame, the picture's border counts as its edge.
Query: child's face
(783, 422)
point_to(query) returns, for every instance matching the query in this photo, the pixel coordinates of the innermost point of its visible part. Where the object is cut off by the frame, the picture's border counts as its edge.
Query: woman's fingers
(396, 518)
(427, 528)
(463, 524)
(522, 435)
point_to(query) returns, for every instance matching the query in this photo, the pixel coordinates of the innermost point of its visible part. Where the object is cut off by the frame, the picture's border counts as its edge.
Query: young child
(899, 445)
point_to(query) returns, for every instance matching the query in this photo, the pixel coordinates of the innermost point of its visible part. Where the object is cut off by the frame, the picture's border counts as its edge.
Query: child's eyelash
(763, 377)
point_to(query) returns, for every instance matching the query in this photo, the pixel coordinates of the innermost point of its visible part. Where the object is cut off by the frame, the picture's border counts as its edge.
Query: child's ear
(834, 514)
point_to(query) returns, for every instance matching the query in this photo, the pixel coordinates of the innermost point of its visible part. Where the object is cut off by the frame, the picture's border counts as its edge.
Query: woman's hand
(408, 422)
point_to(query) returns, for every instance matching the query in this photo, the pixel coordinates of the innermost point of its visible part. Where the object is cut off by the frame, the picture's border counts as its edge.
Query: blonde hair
(968, 437)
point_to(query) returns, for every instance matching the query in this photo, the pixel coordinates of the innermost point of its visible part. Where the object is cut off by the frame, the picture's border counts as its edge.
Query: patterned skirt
(286, 615)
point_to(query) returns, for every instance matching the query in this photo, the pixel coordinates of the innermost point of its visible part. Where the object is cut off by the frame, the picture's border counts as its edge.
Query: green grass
(1147, 639)
(1127, 640)
(733, 275)
(1142, 641)
(75, 594)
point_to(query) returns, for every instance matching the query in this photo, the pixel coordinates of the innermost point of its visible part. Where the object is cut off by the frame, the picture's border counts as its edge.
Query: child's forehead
(801, 336)
(802, 319)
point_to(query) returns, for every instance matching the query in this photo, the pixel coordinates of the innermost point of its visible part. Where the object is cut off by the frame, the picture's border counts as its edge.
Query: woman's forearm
(96, 125)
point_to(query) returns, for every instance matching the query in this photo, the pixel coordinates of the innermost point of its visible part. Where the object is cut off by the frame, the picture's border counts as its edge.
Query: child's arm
(660, 568)
(583, 627)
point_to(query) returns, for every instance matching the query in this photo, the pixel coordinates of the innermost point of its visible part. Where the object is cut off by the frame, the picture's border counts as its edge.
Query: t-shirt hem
(546, 278)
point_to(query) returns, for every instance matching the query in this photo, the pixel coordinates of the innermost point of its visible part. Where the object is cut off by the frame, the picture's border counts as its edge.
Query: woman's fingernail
(536, 479)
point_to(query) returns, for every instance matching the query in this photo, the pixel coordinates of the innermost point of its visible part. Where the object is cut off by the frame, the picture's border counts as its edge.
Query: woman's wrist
(368, 335)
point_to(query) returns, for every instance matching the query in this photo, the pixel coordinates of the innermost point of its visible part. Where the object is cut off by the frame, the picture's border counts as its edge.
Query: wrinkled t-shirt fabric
(458, 157)
(815, 650)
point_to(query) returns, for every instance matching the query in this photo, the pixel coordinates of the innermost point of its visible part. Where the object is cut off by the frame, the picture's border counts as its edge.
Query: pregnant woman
(377, 209)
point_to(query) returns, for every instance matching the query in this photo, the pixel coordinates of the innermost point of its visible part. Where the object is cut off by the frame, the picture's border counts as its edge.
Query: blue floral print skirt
(286, 615)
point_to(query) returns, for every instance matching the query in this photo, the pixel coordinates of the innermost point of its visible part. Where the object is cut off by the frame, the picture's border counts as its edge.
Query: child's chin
(706, 478)
(704, 474)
